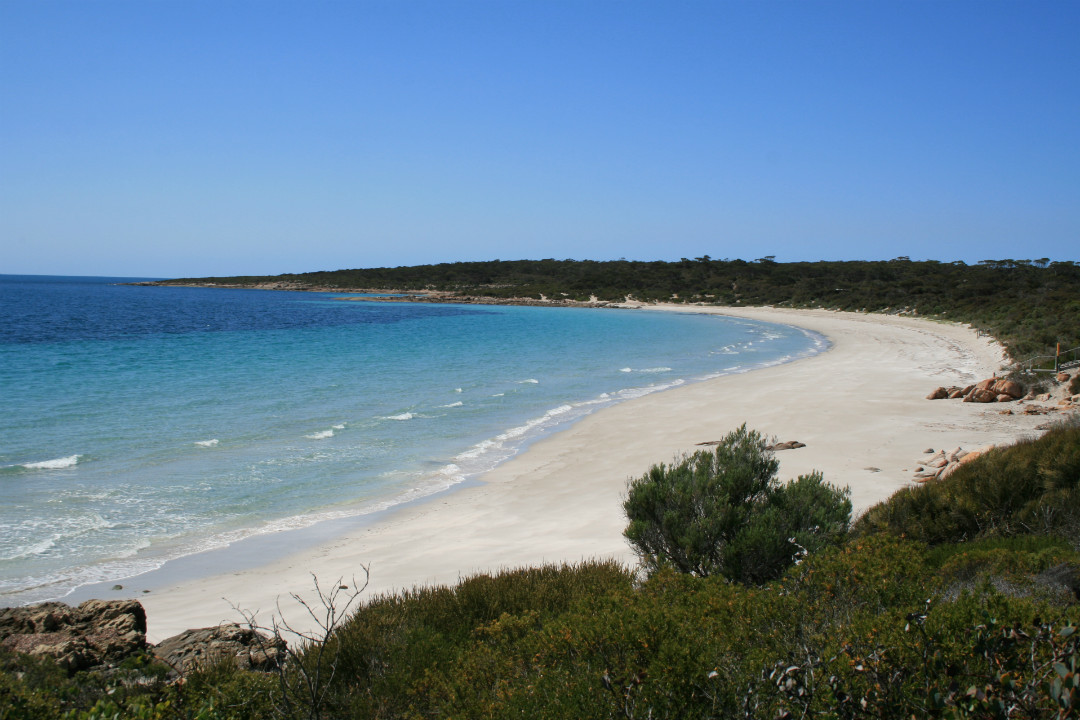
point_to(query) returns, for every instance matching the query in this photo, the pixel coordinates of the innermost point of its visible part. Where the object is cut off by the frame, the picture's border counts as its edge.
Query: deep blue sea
(141, 424)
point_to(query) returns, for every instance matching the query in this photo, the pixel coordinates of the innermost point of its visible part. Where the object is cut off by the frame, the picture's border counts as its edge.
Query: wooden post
(1057, 358)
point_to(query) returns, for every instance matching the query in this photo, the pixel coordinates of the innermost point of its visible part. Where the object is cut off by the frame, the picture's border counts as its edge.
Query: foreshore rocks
(939, 465)
(100, 634)
(1004, 390)
(987, 391)
(96, 633)
(251, 650)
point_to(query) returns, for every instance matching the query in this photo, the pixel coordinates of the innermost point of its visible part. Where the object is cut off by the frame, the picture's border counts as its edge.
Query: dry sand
(860, 408)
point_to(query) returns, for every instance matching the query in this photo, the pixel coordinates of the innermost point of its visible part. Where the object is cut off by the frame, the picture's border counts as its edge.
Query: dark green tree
(724, 513)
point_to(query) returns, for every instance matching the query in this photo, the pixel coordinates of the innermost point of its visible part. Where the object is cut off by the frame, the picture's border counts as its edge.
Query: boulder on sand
(981, 396)
(1007, 387)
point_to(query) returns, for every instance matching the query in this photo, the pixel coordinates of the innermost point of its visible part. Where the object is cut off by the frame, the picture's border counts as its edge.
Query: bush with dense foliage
(724, 513)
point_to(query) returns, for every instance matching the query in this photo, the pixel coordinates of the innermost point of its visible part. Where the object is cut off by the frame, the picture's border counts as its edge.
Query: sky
(180, 138)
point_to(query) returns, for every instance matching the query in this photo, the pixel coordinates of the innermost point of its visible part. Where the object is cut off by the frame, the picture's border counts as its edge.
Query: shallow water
(146, 423)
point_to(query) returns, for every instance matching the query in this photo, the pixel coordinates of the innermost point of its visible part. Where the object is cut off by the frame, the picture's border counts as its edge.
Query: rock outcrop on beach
(103, 633)
(989, 390)
(1004, 390)
(939, 465)
(96, 633)
(250, 649)
(788, 445)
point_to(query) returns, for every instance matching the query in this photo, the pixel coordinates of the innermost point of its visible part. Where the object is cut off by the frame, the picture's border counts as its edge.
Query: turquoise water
(146, 423)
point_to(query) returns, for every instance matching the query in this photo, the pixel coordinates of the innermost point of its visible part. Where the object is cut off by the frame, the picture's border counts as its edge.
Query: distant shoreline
(393, 295)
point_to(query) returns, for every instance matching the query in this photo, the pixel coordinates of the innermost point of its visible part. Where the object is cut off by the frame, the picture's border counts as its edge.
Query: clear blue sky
(189, 137)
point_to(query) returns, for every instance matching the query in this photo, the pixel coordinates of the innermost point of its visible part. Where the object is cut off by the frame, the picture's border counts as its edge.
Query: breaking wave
(56, 464)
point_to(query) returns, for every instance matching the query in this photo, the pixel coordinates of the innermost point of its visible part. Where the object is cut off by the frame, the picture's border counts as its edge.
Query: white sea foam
(477, 450)
(24, 551)
(454, 404)
(530, 381)
(207, 443)
(402, 416)
(340, 426)
(627, 370)
(636, 392)
(498, 395)
(543, 420)
(321, 435)
(655, 370)
(457, 390)
(57, 464)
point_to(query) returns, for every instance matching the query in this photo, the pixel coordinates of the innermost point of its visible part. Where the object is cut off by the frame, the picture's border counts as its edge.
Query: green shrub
(1030, 487)
(396, 648)
(800, 517)
(220, 690)
(723, 512)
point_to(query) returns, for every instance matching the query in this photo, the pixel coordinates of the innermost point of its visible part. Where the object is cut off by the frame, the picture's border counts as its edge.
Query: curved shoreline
(248, 548)
(859, 407)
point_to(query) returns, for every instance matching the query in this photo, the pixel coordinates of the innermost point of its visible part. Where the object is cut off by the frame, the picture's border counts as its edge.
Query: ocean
(142, 424)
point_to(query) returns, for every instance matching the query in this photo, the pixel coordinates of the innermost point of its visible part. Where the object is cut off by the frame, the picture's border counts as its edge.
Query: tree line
(1030, 305)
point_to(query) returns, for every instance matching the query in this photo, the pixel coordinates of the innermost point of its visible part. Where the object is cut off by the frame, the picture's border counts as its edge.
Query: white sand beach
(859, 407)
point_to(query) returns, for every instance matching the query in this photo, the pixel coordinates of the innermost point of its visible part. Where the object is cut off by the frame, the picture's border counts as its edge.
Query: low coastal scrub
(948, 600)
(1030, 488)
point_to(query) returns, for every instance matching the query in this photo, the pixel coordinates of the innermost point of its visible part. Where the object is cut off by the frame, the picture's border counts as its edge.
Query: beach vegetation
(311, 661)
(723, 512)
(1029, 488)
(913, 613)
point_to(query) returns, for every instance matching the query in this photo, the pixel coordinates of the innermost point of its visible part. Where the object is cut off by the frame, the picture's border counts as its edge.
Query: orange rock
(1008, 387)
(938, 394)
(974, 454)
